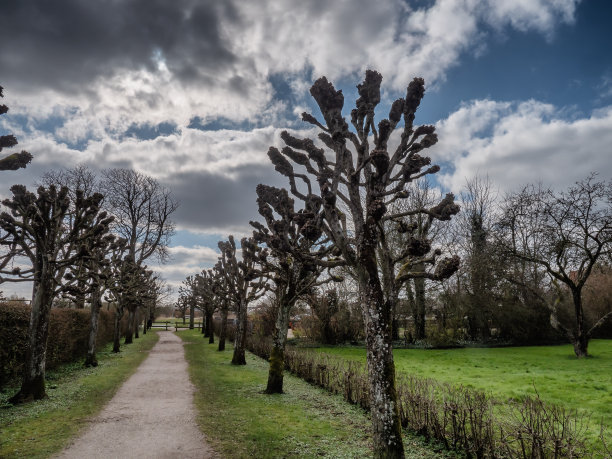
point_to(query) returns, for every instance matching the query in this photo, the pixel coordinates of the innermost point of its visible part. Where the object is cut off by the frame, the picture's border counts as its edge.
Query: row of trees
(74, 242)
(344, 226)
(366, 217)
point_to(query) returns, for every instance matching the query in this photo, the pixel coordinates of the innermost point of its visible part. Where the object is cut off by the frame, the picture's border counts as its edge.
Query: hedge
(68, 336)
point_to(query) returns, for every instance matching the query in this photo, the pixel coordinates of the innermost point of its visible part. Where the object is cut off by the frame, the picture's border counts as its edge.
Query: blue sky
(194, 92)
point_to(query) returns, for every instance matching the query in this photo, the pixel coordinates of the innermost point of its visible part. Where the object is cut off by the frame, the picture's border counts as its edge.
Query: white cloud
(519, 143)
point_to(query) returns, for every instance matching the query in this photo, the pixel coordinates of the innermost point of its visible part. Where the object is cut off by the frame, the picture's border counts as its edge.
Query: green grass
(239, 421)
(557, 375)
(38, 429)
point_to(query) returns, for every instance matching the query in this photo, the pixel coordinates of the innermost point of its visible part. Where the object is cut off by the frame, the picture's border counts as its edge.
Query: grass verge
(39, 429)
(240, 421)
(513, 372)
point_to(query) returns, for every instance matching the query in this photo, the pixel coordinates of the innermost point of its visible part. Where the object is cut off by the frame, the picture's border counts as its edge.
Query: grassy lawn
(557, 375)
(76, 393)
(240, 421)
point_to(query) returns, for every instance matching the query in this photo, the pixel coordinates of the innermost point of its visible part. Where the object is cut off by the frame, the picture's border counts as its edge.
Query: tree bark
(384, 407)
(419, 307)
(130, 327)
(581, 338)
(209, 328)
(205, 329)
(277, 355)
(33, 383)
(96, 304)
(241, 330)
(223, 330)
(191, 315)
(117, 332)
(136, 324)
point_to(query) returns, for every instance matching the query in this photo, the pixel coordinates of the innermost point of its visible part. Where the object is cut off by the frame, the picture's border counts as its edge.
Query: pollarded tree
(129, 286)
(357, 180)
(300, 251)
(207, 301)
(570, 232)
(16, 160)
(220, 290)
(37, 224)
(244, 283)
(188, 296)
(87, 279)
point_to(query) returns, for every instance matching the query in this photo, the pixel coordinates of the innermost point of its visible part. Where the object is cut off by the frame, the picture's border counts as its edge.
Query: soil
(152, 415)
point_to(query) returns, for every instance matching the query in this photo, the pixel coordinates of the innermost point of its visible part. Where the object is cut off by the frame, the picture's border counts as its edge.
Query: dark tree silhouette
(245, 284)
(299, 252)
(220, 290)
(357, 182)
(569, 232)
(205, 290)
(129, 286)
(37, 223)
(16, 160)
(142, 209)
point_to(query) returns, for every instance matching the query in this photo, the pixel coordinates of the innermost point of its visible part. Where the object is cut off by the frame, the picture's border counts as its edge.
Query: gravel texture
(152, 415)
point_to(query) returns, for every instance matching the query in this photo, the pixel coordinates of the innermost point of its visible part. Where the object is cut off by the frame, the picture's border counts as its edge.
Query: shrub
(68, 335)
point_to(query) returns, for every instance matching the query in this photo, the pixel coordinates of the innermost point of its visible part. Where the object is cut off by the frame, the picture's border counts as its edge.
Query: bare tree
(570, 231)
(142, 209)
(364, 180)
(38, 225)
(16, 160)
(299, 252)
(221, 292)
(245, 284)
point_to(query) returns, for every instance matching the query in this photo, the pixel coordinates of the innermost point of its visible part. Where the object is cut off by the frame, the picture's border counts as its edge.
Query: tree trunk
(277, 355)
(209, 328)
(384, 407)
(223, 330)
(581, 339)
(240, 340)
(33, 382)
(117, 332)
(205, 328)
(96, 304)
(191, 315)
(130, 327)
(419, 308)
(136, 324)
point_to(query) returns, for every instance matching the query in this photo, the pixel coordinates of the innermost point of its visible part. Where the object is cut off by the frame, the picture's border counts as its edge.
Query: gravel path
(152, 415)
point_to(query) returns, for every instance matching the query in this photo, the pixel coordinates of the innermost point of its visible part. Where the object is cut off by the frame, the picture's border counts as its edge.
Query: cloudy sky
(193, 92)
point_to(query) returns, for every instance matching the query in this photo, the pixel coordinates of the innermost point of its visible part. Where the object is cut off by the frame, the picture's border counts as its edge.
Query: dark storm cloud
(209, 201)
(63, 43)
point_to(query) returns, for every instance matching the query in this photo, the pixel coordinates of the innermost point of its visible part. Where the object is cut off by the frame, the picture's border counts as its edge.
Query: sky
(193, 92)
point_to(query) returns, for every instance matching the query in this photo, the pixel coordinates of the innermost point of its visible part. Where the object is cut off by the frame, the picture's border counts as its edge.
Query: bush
(68, 336)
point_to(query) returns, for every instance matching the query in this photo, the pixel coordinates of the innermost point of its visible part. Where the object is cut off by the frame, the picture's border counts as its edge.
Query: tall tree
(299, 252)
(573, 231)
(16, 160)
(245, 284)
(37, 223)
(357, 182)
(220, 289)
(142, 210)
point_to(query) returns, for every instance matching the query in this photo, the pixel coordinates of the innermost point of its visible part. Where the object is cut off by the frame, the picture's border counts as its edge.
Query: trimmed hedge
(68, 336)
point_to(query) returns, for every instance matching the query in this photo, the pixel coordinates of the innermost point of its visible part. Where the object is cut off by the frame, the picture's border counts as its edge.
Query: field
(512, 372)
(240, 421)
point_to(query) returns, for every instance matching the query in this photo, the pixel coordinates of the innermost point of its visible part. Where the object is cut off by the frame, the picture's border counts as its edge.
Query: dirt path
(152, 415)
